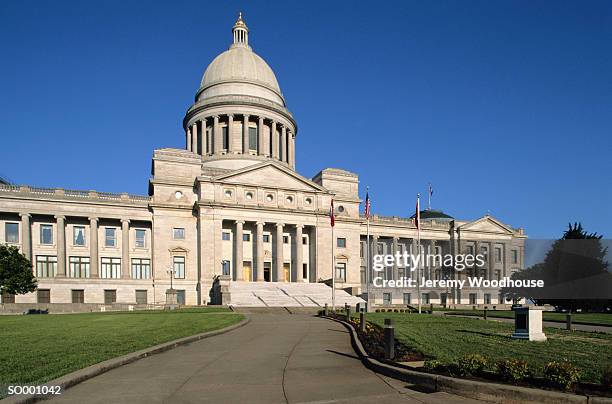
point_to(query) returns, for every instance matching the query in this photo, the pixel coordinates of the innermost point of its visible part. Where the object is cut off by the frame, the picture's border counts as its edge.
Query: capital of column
(93, 219)
(246, 116)
(125, 221)
(25, 215)
(299, 226)
(240, 222)
(216, 118)
(59, 217)
(280, 225)
(260, 223)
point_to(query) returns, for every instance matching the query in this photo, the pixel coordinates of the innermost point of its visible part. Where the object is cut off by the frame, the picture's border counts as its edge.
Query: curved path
(276, 358)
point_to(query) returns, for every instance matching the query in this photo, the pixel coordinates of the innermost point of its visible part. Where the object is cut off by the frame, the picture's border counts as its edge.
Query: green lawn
(38, 348)
(449, 338)
(577, 318)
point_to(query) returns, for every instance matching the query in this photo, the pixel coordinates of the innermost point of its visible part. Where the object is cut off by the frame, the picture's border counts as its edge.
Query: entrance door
(267, 271)
(247, 272)
(443, 296)
(287, 270)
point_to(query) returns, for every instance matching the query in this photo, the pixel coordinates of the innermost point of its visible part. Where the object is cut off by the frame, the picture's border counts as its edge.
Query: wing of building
(230, 210)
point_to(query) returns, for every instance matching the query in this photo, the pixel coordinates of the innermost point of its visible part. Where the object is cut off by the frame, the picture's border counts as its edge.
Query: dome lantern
(241, 32)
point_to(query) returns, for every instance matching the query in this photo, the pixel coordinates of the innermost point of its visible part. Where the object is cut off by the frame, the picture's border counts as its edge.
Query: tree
(16, 275)
(574, 271)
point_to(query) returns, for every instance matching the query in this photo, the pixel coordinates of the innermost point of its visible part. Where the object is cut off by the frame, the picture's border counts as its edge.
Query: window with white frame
(78, 235)
(341, 271)
(178, 233)
(110, 268)
(225, 236)
(225, 267)
(141, 268)
(11, 232)
(46, 234)
(110, 237)
(178, 263)
(141, 241)
(341, 242)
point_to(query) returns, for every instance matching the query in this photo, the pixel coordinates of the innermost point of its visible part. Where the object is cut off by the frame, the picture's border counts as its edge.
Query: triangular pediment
(270, 175)
(487, 224)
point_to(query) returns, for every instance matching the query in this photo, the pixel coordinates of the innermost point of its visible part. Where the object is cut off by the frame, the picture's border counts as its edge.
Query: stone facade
(231, 204)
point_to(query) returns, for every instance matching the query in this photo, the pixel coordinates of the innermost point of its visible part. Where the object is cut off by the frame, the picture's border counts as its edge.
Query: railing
(93, 195)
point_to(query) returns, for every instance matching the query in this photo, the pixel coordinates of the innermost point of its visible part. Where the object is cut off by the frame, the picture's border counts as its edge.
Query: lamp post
(171, 273)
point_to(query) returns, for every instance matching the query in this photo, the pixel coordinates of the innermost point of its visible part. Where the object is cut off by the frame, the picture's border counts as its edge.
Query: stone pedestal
(528, 323)
(171, 299)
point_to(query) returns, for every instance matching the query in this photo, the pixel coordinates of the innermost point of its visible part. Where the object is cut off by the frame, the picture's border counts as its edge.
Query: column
(245, 134)
(395, 268)
(61, 246)
(259, 251)
(260, 137)
(208, 134)
(280, 272)
(491, 260)
(218, 143)
(93, 247)
(238, 250)
(373, 251)
(188, 138)
(274, 139)
(194, 138)
(283, 153)
(230, 133)
(125, 248)
(299, 264)
(291, 148)
(26, 235)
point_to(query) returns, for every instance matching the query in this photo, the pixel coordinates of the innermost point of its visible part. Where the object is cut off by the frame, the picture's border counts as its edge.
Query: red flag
(417, 215)
(367, 205)
(332, 216)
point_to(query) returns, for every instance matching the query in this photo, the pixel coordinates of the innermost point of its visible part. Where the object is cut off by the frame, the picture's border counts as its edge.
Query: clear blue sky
(503, 105)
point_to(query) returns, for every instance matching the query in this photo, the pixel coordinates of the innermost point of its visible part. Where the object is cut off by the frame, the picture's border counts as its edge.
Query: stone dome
(240, 71)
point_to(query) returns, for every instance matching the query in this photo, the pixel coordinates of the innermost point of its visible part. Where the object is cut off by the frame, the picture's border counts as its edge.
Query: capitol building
(229, 215)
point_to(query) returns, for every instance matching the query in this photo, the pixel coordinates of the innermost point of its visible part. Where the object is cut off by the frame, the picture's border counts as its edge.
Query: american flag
(332, 216)
(367, 205)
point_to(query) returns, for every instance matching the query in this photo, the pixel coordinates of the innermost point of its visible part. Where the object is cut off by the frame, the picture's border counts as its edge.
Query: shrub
(512, 370)
(396, 310)
(433, 365)
(471, 364)
(606, 376)
(378, 310)
(561, 374)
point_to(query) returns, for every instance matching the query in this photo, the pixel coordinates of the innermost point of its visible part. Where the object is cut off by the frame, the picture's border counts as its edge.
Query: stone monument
(528, 323)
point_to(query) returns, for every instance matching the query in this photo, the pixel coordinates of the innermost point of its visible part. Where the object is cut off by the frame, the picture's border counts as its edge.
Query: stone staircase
(279, 294)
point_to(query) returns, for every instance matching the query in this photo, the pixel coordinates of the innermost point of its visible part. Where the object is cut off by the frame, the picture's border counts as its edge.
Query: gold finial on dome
(240, 22)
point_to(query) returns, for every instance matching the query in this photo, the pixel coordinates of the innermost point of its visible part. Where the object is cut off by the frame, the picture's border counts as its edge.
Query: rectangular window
(141, 235)
(141, 296)
(110, 268)
(425, 298)
(225, 267)
(141, 268)
(79, 267)
(341, 271)
(46, 234)
(362, 275)
(178, 264)
(178, 233)
(46, 265)
(387, 299)
(381, 248)
(304, 240)
(472, 298)
(180, 297)
(470, 249)
(246, 237)
(498, 254)
(225, 136)
(226, 236)
(78, 235)
(304, 271)
(110, 296)
(7, 298)
(407, 298)
(341, 242)
(78, 296)
(43, 296)
(487, 298)
(11, 232)
(266, 238)
(253, 139)
(514, 256)
(484, 251)
(285, 239)
(110, 237)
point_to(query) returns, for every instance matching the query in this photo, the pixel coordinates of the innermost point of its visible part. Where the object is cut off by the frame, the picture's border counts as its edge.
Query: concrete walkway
(276, 358)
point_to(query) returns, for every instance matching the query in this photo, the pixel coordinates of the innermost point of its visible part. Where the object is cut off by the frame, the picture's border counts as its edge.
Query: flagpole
(419, 251)
(333, 273)
(367, 252)
(429, 197)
